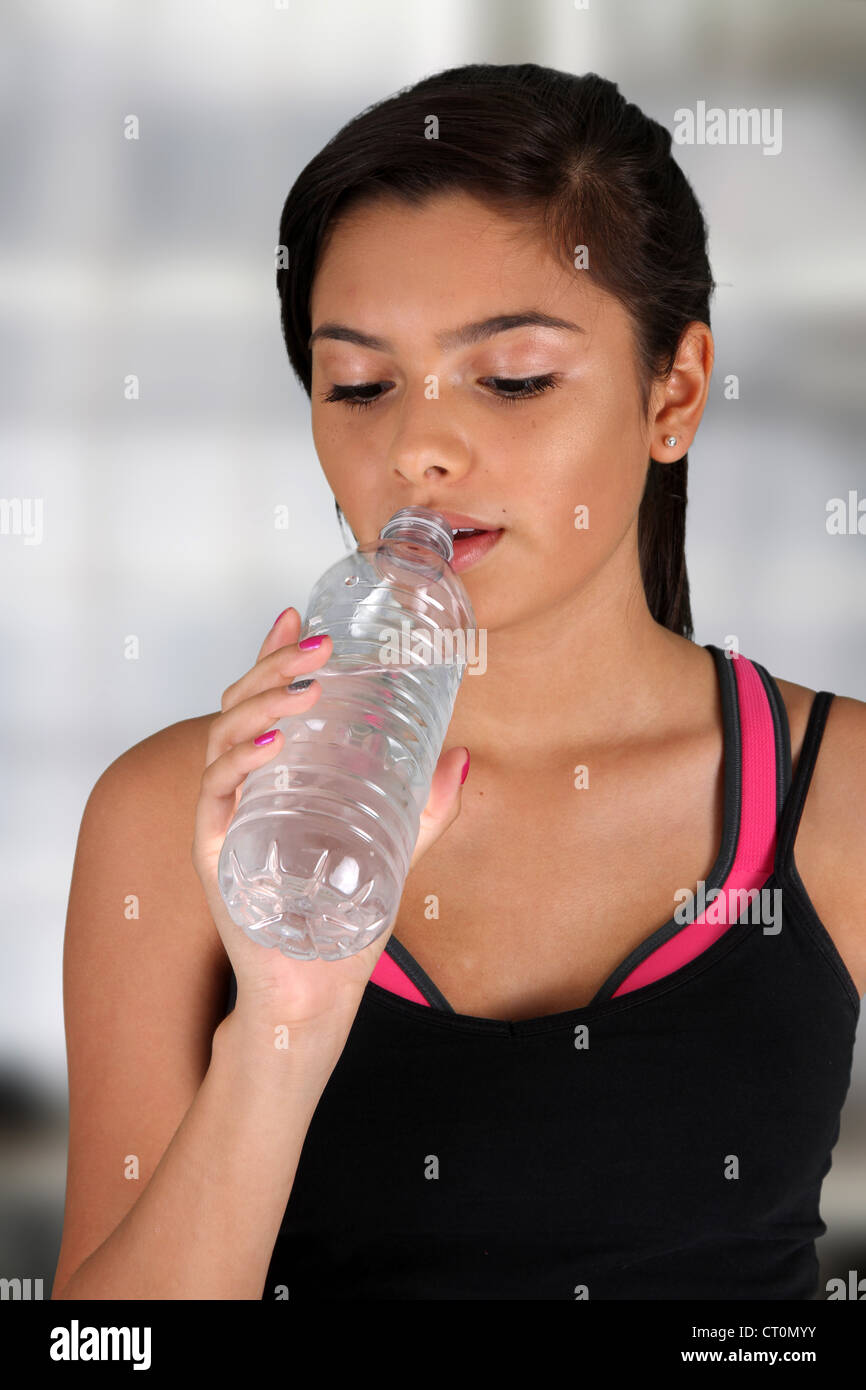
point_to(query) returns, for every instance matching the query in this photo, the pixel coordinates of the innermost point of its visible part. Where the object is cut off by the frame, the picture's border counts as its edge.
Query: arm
(214, 1121)
(206, 1223)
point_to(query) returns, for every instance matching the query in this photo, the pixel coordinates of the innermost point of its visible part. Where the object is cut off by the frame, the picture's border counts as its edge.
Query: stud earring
(671, 440)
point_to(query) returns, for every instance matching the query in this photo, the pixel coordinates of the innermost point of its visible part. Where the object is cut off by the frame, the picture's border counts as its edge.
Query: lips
(469, 550)
(459, 521)
(473, 537)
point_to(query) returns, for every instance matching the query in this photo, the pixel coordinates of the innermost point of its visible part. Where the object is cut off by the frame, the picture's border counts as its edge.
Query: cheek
(322, 425)
(350, 479)
(331, 440)
(327, 447)
(584, 475)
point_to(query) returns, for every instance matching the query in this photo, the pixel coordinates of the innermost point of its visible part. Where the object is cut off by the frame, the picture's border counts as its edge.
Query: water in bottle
(318, 850)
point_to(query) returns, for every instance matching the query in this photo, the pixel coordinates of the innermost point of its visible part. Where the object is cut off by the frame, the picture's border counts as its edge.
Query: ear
(678, 402)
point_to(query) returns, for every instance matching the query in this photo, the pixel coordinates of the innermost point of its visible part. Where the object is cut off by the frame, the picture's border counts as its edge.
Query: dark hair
(592, 167)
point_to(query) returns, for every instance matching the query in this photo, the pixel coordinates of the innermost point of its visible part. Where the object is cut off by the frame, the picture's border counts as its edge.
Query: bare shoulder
(830, 846)
(154, 786)
(179, 746)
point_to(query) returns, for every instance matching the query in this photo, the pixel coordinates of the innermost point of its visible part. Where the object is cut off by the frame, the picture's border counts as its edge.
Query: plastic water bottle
(318, 850)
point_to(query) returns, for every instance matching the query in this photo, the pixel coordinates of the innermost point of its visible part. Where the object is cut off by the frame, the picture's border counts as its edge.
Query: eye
(521, 388)
(357, 394)
(362, 394)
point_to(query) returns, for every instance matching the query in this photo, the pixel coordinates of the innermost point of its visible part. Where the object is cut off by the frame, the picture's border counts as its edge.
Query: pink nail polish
(266, 738)
(465, 771)
(279, 615)
(309, 644)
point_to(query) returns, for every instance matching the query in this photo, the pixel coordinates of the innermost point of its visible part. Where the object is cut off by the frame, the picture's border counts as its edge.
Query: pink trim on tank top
(389, 975)
(756, 842)
(753, 860)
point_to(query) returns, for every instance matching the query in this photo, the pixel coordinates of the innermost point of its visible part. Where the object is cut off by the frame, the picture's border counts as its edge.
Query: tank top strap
(762, 769)
(796, 798)
(754, 772)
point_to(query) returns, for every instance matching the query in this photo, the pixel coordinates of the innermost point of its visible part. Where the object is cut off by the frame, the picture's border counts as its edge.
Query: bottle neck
(424, 527)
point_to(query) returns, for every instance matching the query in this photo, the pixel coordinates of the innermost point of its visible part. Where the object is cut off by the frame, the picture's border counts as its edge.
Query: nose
(427, 442)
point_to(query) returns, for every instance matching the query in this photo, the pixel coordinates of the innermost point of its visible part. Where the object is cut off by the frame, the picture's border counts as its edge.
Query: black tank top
(666, 1141)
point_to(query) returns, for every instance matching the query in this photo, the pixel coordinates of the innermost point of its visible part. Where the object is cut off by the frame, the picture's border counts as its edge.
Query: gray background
(155, 257)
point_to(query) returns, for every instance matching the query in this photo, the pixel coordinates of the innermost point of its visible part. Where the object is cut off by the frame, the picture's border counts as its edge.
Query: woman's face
(441, 428)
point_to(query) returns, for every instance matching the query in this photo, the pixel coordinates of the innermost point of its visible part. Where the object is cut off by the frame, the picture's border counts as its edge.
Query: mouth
(471, 544)
(471, 536)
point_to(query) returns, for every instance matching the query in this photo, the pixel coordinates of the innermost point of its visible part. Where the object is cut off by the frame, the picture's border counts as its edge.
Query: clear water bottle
(318, 850)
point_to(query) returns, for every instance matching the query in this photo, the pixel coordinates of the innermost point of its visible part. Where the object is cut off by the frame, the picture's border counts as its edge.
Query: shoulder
(178, 749)
(840, 767)
(136, 903)
(830, 845)
(137, 831)
(154, 784)
(144, 803)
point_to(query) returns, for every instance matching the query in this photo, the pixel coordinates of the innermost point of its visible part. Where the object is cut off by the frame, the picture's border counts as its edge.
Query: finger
(285, 630)
(257, 715)
(217, 800)
(444, 802)
(277, 667)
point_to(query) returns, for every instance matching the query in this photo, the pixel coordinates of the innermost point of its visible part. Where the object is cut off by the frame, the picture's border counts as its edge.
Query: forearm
(205, 1225)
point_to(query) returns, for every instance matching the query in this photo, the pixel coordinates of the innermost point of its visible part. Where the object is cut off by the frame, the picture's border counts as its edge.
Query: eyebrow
(458, 337)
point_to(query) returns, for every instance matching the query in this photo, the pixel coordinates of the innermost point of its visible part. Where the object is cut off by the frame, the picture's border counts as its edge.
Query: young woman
(552, 1079)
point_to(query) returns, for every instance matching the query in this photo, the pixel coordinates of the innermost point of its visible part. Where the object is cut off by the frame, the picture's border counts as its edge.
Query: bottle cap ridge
(422, 525)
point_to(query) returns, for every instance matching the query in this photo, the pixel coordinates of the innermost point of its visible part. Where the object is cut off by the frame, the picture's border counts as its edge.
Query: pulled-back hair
(572, 152)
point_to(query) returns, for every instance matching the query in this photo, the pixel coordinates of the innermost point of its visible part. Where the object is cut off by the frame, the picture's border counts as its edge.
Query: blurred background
(155, 257)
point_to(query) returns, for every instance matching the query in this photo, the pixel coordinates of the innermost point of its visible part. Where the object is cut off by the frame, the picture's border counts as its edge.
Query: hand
(297, 993)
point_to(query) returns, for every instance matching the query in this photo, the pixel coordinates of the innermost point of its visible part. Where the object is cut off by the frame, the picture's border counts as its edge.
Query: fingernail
(310, 643)
(280, 615)
(465, 769)
(266, 738)
(298, 685)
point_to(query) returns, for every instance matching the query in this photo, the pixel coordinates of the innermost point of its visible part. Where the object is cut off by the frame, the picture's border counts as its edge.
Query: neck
(593, 671)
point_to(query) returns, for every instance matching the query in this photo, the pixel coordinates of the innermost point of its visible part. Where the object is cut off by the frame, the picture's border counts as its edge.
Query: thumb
(444, 801)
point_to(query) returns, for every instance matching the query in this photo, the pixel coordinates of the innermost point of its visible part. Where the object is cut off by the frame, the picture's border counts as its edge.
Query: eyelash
(532, 386)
